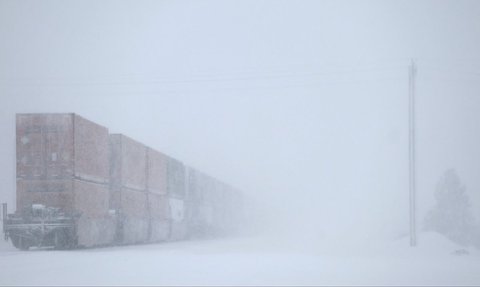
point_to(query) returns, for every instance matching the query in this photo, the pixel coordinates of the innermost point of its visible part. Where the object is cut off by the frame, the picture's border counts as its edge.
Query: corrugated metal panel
(58, 193)
(178, 231)
(159, 230)
(91, 151)
(95, 231)
(91, 199)
(158, 206)
(159, 219)
(156, 172)
(177, 209)
(95, 226)
(175, 178)
(193, 181)
(44, 146)
(60, 146)
(127, 162)
(115, 160)
(135, 216)
(135, 230)
(128, 196)
(200, 219)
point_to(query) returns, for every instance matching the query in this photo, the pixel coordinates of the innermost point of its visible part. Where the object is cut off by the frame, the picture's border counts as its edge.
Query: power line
(195, 78)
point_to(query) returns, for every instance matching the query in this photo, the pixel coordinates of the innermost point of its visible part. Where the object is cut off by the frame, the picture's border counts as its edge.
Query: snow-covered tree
(451, 216)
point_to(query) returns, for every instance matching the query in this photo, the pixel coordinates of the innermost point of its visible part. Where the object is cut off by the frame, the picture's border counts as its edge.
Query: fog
(302, 105)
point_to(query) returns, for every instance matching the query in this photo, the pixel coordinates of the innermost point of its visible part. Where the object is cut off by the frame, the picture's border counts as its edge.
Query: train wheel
(20, 242)
(60, 240)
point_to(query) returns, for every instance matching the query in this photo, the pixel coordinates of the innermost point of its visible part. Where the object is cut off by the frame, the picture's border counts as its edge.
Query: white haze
(303, 105)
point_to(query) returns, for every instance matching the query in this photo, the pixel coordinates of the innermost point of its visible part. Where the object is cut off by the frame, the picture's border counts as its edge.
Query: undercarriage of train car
(39, 226)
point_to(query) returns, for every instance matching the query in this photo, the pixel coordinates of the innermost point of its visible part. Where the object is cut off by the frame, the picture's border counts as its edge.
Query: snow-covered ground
(267, 260)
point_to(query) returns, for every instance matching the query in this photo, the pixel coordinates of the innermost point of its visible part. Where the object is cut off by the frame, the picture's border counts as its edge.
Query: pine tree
(451, 216)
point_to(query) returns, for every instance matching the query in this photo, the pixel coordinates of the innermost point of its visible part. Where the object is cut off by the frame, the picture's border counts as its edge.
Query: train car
(62, 164)
(176, 189)
(157, 196)
(79, 186)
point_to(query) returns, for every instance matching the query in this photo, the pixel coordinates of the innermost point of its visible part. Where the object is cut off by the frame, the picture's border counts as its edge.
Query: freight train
(80, 186)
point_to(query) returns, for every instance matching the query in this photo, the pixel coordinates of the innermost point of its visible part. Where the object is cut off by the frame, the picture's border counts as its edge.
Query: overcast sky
(301, 104)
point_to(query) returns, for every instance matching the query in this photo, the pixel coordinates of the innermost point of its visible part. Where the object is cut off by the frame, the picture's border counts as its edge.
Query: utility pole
(411, 150)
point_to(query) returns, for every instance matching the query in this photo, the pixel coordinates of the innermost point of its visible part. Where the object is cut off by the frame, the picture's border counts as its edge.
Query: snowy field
(246, 261)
